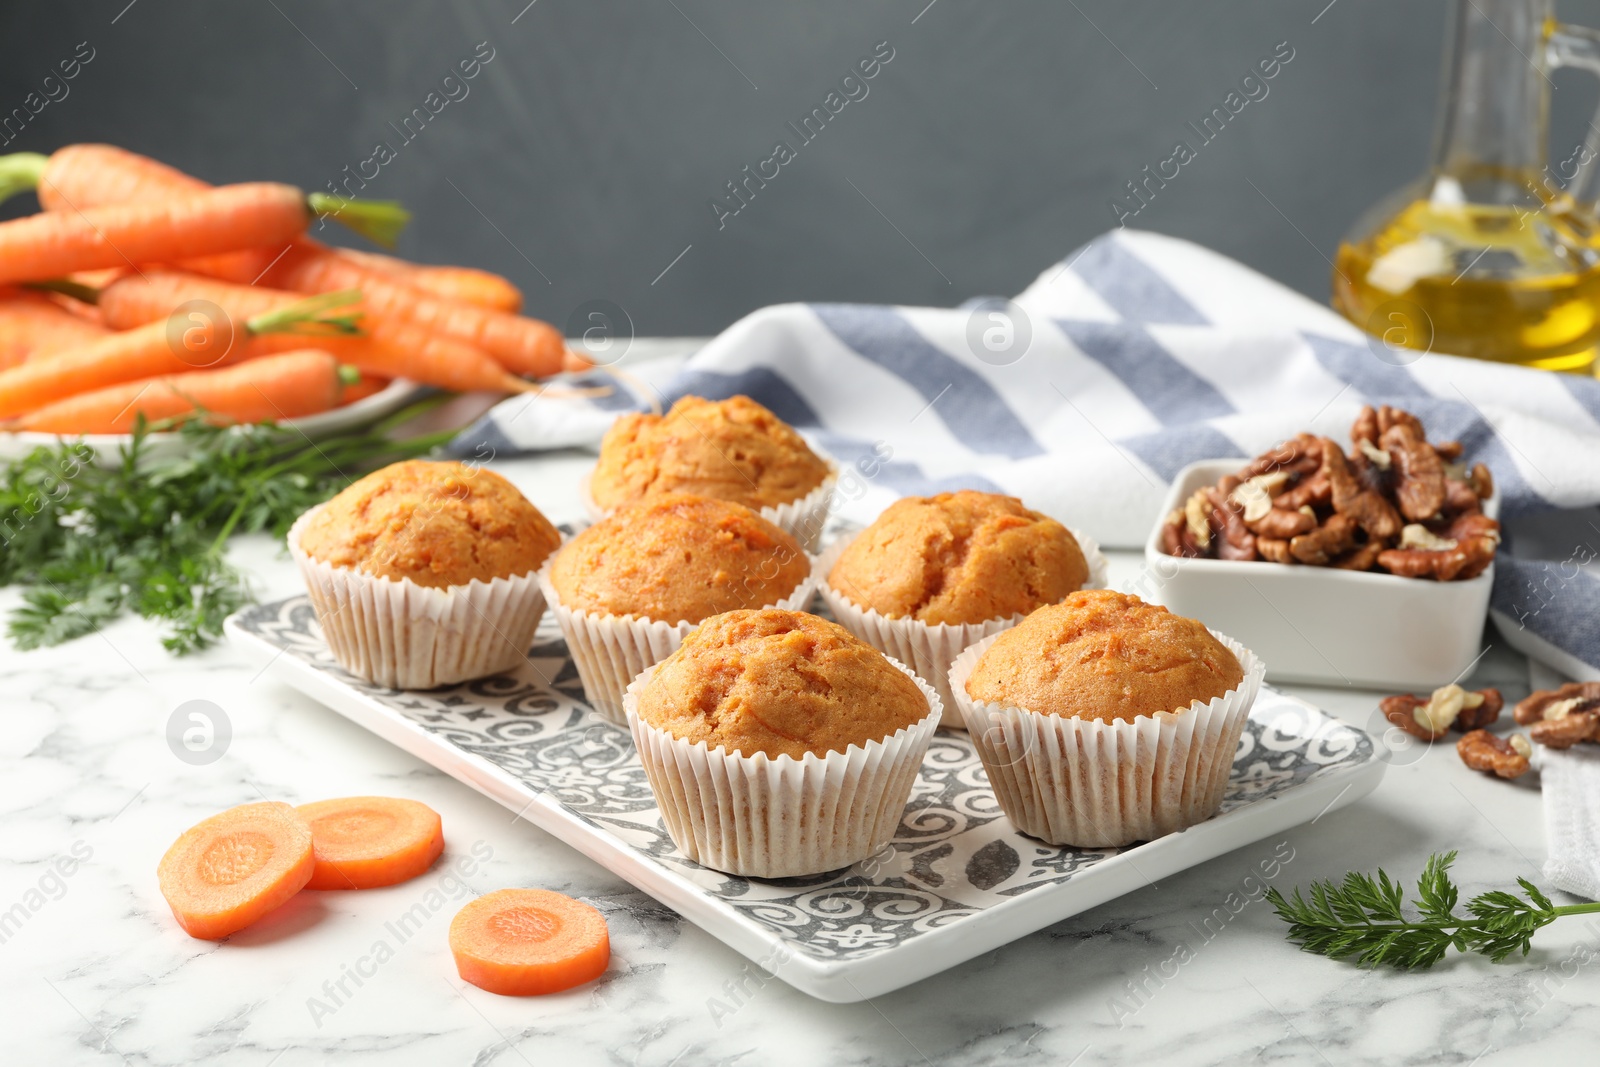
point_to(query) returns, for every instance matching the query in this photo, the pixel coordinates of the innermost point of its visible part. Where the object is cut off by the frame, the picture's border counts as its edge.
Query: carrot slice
(365, 842)
(227, 871)
(522, 942)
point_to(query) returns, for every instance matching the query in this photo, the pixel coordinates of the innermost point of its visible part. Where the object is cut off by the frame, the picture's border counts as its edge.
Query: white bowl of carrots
(139, 292)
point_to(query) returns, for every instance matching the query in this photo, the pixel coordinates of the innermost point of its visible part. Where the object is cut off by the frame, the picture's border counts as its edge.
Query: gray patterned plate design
(930, 900)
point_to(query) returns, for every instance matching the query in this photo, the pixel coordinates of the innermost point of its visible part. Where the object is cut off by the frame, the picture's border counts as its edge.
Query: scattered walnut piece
(1483, 751)
(1448, 706)
(1569, 728)
(1531, 708)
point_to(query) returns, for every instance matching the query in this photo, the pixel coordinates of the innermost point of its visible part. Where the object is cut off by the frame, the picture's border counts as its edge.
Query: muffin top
(780, 682)
(437, 524)
(678, 558)
(1104, 655)
(732, 449)
(959, 558)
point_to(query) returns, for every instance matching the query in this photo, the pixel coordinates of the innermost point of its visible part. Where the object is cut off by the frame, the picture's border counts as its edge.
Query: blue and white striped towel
(1136, 355)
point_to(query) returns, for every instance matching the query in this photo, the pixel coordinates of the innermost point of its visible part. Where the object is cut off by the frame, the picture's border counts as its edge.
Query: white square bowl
(1320, 625)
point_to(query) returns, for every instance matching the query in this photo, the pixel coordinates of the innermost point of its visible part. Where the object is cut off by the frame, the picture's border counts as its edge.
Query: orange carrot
(31, 324)
(80, 177)
(164, 347)
(366, 842)
(367, 385)
(522, 942)
(227, 871)
(521, 345)
(287, 386)
(84, 175)
(102, 174)
(392, 348)
(464, 284)
(51, 244)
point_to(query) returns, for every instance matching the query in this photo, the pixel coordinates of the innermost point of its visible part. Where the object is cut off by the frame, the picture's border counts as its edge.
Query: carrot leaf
(20, 173)
(379, 221)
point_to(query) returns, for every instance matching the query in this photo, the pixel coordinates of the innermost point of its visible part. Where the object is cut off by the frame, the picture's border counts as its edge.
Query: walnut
(1197, 515)
(1475, 537)
(1282, 524)
(1481, 481)
(1176, 540)
(1361, 558)
(1319, 547)
(1460, 498)
(1311, 491)
(1253, 496)
(1402, 711)
(1389, 417)
(1237, 542)
(1300, 454)
(1419, 473)
(1350, 497)
(1568, 729)
(1365, 428)
(1484, 712)
(1531, 709)
(1448, 706)
(1483, 751)
(1274, 549)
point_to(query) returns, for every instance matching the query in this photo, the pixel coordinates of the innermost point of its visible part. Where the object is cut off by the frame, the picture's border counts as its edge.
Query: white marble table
(93, 968)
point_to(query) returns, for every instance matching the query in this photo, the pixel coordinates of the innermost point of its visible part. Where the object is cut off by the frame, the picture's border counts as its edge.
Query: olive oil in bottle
(1504, 283)
(1492, 254)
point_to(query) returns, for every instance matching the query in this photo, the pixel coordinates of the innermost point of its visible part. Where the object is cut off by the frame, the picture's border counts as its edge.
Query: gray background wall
(582, 160)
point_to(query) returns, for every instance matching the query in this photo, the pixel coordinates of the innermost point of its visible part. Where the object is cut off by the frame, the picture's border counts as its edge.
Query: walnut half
(1483, 751)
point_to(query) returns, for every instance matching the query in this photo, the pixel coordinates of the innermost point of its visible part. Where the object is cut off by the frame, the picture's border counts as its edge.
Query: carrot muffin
(678, 558)
(780, 682)
(1104, 655)
(626, 590)
(778, 744)
(935, 574)
(423, 573)
(434, 523)
(959, 558)
(732, 449)
(1104, 720)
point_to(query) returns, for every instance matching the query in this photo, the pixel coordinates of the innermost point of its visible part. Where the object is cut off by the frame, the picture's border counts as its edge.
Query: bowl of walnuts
(1367, 565)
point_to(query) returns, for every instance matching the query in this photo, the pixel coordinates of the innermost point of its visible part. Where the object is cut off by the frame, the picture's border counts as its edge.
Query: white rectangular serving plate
(957, 880)
(1321, 625)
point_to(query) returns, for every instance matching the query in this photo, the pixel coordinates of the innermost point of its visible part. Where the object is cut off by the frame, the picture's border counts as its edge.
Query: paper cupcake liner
(765, 817)
(929, 649)
(611, 650)
(1093, 784)
(396, 633)
(802, 519)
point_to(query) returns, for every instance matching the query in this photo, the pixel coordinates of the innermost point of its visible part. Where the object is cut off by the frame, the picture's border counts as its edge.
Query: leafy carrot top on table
(148, 534)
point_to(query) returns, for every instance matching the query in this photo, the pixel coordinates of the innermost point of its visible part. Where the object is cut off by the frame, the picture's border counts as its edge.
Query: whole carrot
(465, 284)
(166, 346)
(80, 177)
(391, 348)
(51, 244)
(286, 386)
(32, 325)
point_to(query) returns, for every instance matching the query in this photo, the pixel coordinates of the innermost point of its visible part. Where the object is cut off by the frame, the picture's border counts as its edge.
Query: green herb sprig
(1365, 917)
(149, 533)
